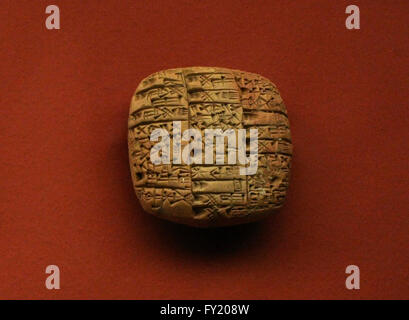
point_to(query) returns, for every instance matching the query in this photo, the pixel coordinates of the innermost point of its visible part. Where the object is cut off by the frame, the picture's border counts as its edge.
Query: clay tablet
(209, 146)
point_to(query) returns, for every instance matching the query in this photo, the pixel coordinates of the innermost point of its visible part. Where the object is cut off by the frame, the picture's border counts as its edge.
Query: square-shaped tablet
(209, 146)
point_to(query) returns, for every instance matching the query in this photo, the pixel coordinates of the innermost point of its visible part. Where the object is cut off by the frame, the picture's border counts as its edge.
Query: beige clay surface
(201, 98)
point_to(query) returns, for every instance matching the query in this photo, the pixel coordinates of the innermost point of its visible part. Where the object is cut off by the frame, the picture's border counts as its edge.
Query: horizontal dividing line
(217, 165)
(185, 73)
(170, 166)
(155, 122)
(160, 86)
(211, 90)
(181, 106)
(159, 106)
(216, 192)
(166, 166)
(281, 112)
(164, 114)
(218, 202)
(277, 152)
(251, 110)
(186, 166)
(163, 187)
(232, 104)
(212, 102)
(245, 89)
(224, 180)
(265, 111)
(168, 187)
(147, 137)
(244, 206)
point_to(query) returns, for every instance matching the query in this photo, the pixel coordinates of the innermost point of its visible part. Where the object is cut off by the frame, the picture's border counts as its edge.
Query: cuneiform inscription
(209, 98)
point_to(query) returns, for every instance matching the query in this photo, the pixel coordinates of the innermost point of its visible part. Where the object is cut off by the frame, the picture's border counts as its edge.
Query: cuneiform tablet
(209, 189)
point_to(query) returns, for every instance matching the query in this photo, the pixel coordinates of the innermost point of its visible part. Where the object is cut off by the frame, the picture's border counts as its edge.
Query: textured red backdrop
(66, 191)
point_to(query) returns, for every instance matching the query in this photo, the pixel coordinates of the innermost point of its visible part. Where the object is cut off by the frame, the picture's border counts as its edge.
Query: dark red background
(66, 191)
